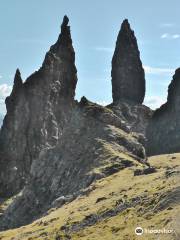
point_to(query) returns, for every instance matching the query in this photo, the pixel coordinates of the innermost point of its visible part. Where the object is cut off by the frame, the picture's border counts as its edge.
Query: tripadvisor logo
(139, 231)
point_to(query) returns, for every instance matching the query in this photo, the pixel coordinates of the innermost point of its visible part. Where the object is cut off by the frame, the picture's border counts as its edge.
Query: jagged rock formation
(93, 146)
(52, 147)
(37, 111)
(163, 130)
(128, 80)
(62, 156)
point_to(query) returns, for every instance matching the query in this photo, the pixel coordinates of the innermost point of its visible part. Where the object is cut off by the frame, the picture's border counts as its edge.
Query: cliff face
(163, 130)
(37, 111)
(128, 80)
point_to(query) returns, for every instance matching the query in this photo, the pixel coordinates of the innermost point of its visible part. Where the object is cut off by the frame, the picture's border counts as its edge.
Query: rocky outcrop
(37, 112)
(128, 80)
(136, 117)
(52, 147)
(163, 130)
(93, 145)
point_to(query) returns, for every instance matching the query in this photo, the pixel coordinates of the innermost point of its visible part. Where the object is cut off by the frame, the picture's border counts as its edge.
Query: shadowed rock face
(94, 144)
(163, 131)
(37, 111)
(128, 80)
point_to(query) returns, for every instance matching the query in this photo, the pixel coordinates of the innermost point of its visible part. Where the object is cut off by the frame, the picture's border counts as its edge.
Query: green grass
(121, 186)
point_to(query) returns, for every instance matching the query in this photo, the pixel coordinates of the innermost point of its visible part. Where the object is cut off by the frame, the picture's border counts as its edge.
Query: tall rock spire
(128, 80)
(61, 57)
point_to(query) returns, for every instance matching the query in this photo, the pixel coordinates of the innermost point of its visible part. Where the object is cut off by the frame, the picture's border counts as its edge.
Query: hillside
(112, 207)
(77, 170)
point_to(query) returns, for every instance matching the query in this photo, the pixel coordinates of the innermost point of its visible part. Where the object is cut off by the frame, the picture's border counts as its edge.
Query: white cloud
(158, 71)
(5, 90)
(176, 36)
(103, 103)
(104, 49)
(164, 35)
(154, 101)
(170, 36)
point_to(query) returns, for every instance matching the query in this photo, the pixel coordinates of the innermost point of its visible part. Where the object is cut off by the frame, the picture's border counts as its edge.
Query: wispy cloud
(167, 25)
(170, 36)
(154, 101)
(164, 35)
(176, 36)
(158, 71)
(104, 49)
(31, 41)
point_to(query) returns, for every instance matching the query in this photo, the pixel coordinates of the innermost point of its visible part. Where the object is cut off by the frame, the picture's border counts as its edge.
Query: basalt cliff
(164, 128)
(58, 156)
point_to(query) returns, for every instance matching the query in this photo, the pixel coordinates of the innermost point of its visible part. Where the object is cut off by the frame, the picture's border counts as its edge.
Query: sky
(29, 28)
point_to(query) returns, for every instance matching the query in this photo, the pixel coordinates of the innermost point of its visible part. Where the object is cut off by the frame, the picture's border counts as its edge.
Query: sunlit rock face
(164, 128)
(128, 80)
(37, 111)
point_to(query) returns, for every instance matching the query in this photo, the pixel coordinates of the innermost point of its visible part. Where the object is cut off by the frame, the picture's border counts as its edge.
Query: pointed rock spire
(64, 39)
(128, 80)
(60, 59)
(18, 83)
(17, 79)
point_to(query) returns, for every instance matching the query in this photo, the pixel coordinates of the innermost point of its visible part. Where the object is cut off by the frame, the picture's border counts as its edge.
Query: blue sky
(28, 28)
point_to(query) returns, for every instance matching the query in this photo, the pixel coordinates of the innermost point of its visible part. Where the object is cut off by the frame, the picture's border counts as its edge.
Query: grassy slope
(147, 199)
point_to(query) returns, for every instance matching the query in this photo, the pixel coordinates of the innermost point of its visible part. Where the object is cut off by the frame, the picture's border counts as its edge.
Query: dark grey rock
(145, 171)
(136, 117)
(164, 128)
(37, 111)
(128, 80)
(51, 145)
(67, 168)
